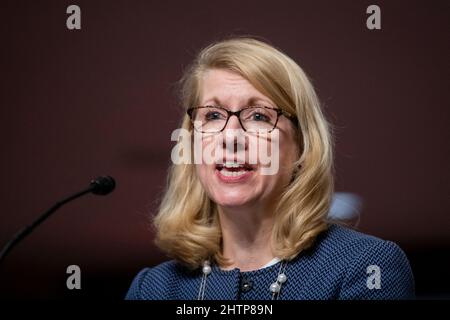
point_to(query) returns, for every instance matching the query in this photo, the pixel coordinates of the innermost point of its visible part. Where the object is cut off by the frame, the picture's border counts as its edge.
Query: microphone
(102, 185)
(99, 186)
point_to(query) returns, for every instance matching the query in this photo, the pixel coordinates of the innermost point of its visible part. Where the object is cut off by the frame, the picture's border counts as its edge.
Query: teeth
(232, 173)
(232, 165)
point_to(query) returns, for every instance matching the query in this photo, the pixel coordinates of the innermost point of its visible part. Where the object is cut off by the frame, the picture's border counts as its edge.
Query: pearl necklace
(275, 288)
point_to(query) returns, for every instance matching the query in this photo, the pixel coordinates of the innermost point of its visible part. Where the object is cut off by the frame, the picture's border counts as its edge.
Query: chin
(232, 201)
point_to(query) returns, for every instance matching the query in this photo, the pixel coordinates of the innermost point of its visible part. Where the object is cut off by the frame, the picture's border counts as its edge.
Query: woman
(236, 232)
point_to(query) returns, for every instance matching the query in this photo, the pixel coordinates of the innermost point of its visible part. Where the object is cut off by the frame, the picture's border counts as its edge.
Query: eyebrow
(251, 102)
(255, 100)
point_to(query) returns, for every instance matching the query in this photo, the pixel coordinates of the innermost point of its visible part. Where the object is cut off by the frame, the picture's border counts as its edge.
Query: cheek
(204, 170)
(210, 149)
(288, 154)
(202, 173)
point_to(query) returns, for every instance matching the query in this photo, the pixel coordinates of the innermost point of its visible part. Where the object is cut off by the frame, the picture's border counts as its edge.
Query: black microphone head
(103, 185)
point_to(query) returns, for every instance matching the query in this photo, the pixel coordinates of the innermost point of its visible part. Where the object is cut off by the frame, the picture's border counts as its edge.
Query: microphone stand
(100, 186)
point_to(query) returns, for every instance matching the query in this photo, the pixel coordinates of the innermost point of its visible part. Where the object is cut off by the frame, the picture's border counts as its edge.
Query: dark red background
(77, 104)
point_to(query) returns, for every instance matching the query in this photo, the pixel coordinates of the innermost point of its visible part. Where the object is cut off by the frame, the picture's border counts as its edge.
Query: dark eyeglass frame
(279, 111)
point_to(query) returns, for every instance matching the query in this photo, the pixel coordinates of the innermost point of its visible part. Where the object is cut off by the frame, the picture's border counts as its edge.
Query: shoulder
(154, 283)
(346, 240)
(367, 267)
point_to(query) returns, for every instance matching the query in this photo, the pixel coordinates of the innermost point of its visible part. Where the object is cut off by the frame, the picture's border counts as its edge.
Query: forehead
(228, 86)
(213, 77)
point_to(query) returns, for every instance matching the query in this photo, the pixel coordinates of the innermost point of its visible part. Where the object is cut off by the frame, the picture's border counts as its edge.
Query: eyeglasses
(214, 119)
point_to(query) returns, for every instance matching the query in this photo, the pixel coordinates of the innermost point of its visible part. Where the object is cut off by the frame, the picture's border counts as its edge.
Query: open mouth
(232, 169)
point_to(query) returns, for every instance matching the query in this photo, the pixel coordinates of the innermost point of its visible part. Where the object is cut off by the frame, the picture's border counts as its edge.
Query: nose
(233, 137)
(233, 123)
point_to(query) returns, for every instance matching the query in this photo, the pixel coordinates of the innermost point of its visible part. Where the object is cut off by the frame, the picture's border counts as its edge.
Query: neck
(246, 236)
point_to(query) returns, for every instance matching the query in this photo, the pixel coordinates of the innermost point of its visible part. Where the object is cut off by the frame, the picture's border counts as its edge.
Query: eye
(214, 115)
(257, 116)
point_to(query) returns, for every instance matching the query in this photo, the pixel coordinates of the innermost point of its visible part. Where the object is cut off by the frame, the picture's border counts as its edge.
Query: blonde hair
(187, 224)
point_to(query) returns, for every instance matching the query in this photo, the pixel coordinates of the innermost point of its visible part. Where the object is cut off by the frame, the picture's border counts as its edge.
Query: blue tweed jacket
(338, 266)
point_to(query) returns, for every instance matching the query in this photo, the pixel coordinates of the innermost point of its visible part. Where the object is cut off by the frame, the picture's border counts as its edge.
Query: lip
(237, 179)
